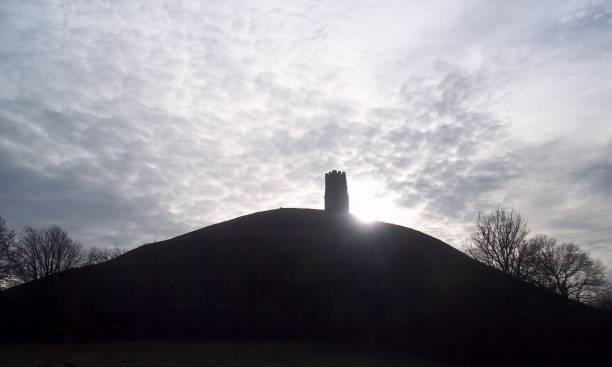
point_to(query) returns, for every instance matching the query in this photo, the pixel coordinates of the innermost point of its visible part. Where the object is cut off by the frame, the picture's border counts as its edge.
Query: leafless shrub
(97, 255)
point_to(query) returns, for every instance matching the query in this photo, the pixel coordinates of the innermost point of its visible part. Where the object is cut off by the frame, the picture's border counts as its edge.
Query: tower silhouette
(336, 192)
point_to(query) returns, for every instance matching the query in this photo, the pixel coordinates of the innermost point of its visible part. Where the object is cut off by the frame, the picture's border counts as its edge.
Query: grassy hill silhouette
(302, 273)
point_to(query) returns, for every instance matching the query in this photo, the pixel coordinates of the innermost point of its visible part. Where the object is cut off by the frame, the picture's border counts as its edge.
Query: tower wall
(336, 192)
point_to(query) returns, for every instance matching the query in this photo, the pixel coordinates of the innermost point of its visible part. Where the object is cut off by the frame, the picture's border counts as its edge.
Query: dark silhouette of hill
(305, 273)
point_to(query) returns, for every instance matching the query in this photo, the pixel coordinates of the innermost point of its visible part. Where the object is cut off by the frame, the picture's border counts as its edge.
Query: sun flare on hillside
(370, 202)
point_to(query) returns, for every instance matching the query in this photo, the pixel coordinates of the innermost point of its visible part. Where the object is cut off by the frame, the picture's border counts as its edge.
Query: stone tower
(336, 192)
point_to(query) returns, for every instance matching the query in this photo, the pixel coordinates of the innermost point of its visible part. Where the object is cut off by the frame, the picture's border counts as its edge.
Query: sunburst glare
(370, 202)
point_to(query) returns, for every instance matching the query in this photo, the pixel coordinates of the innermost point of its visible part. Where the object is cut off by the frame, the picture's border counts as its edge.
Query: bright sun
(369, 202)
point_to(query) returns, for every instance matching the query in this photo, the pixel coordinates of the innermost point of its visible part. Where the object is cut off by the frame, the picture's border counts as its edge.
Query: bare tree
(96, 255)
(604, 300)
(7, 242)
(500, 241)
(570, 272)
(42, 252)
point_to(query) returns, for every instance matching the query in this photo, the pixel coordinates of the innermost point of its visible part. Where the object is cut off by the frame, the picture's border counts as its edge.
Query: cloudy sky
(132, 121)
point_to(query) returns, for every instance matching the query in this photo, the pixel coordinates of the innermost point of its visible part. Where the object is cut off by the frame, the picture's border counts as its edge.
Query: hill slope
(289, 272)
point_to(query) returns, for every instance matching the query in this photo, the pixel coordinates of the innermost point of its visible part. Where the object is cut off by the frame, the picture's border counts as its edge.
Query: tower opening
(336, 192)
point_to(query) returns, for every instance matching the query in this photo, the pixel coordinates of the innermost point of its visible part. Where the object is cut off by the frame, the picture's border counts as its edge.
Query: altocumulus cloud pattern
(126, 122)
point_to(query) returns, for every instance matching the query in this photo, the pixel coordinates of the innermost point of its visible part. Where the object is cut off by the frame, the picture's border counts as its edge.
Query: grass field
(170, 354)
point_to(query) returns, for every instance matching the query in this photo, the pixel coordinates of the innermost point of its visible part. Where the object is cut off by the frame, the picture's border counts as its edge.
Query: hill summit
(291, 271)
(294, 273)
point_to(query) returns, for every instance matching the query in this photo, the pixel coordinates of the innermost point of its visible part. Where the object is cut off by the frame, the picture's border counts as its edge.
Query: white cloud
(132, 121)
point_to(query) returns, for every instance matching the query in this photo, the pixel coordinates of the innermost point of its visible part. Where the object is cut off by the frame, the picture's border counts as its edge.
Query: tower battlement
(336, 192)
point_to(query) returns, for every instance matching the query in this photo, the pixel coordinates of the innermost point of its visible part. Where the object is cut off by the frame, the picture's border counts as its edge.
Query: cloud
(131, 121)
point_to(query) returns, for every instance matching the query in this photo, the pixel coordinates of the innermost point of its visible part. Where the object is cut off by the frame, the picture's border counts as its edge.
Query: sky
(127, 122)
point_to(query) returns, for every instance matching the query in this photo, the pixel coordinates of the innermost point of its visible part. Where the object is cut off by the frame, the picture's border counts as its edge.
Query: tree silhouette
(570, 272)
(7, 242)
(500, 241)
(42, 252)
(96, 255)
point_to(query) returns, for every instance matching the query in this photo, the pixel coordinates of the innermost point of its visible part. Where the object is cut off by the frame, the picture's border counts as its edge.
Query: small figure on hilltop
(336, 192)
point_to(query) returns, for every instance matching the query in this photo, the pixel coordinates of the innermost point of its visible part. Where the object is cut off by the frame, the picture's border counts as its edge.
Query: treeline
(501, 240)
(38, 253)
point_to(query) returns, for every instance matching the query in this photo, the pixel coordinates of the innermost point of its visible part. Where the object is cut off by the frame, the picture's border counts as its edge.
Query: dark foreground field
(171, 354)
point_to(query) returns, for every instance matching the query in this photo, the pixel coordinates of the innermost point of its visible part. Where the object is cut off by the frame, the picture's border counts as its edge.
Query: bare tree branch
(7, 242)
(42, 252)
(500, 241)
(570, 272)
(96, 255)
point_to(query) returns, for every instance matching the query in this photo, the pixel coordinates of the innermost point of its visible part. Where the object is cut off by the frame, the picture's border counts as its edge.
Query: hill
(301, 273)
